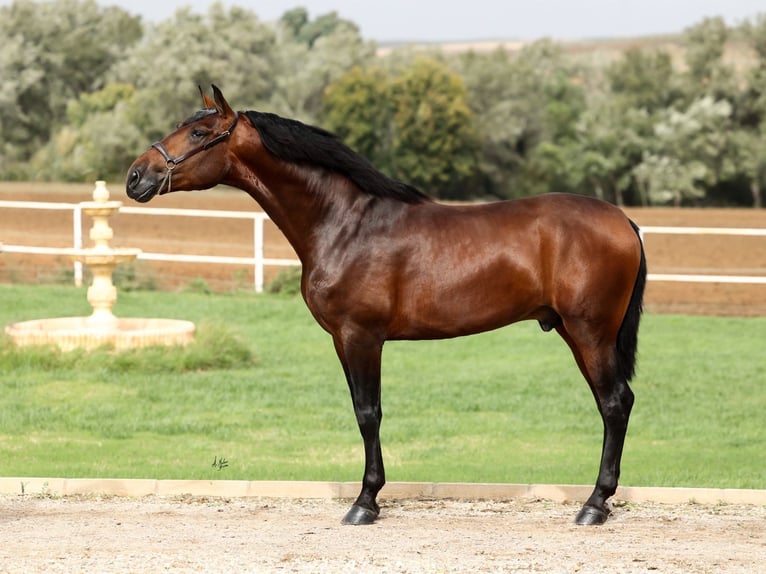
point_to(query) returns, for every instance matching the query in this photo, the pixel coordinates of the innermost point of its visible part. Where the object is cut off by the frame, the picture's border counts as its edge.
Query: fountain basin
(111, 257)
(69, 333)
(103, 208)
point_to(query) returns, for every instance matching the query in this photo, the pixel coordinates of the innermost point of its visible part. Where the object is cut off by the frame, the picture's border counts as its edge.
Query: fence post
(77, 234)
(258, 250)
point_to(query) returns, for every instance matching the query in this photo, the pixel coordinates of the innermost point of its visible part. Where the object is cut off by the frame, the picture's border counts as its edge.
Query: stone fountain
(101, 327)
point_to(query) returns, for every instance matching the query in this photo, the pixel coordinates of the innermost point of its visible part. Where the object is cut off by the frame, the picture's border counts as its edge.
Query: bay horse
(382, 261)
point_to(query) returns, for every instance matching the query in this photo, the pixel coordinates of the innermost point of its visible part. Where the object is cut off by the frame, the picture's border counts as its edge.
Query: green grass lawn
(263, 390)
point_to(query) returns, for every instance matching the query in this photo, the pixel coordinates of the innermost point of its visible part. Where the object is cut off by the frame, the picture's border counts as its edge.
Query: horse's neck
(306, 208)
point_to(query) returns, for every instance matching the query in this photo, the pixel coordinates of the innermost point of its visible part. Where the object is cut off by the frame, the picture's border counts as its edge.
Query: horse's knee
(369, 420)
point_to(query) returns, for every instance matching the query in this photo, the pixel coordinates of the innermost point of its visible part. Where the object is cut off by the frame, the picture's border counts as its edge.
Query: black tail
(627, 338)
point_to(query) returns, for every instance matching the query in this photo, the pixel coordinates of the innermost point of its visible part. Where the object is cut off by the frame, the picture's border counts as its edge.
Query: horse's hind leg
(615, 403)
(614, 399)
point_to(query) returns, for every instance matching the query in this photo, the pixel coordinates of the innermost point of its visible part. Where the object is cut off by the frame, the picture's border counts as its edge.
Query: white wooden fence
(258, 261)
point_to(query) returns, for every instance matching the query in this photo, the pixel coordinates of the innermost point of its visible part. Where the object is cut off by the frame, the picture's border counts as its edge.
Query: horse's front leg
(360, 356)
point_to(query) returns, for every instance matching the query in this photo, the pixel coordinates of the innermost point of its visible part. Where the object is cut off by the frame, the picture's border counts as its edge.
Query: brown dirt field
(686, 254)
(75, 534)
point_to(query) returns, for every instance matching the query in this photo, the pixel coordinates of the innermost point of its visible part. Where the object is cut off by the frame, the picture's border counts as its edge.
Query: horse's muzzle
(139, 187)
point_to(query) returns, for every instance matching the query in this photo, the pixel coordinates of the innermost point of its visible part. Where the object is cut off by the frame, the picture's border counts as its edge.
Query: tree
(412, 123)
(502, 120)
(691, 148)
(302, 30)
(310, 56)
(665, 179)
(644, 80)
(548, 166)
(520, 102)
(359, 108)
(749, 155)
(708, 74)
(230, 48)
(98, 142)
(750, 138)
(19, 77)
(52, 52)
(434, 145)
(610, 141)
(293, 21)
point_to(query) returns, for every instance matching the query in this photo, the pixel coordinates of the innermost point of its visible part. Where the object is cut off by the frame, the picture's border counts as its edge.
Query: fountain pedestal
(101, 327)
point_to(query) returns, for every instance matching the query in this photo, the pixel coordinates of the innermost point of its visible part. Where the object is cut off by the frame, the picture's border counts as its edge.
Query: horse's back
(554, 212)
(549, 229)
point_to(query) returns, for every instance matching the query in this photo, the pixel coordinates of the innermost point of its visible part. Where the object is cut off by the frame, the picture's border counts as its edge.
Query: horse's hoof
(359, 516)
(591, 516)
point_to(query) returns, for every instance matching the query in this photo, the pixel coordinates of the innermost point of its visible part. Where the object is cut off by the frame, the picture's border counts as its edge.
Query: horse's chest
(348, 296)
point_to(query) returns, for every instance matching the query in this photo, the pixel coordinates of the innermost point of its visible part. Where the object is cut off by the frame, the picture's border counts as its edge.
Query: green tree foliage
(414, 124)
(749, 155)
(644, 80)
(689, 151)
(99, 139)
(230, 48)
(299, 27)
(750, 140)
(52, 52)
(434, 144)
(665, 179)
(520, 102)
(504, 118)
(358, 107)
(561, 103)
(610, 140)
(19, 76)
(309, 56)
(84, 87)
(708, 74)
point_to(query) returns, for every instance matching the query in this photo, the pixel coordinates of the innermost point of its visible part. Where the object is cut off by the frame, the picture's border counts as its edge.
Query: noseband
(171, 162)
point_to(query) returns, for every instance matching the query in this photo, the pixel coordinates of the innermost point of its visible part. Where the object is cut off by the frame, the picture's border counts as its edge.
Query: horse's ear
(207, 103)
(221, 104)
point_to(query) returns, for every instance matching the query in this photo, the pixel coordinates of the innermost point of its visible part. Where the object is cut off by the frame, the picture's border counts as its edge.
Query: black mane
(302, 144)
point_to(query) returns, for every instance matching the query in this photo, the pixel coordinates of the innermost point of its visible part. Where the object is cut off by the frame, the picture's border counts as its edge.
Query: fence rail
(258, 261)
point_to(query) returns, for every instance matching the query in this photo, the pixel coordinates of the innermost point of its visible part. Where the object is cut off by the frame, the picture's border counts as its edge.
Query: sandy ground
(213, 535)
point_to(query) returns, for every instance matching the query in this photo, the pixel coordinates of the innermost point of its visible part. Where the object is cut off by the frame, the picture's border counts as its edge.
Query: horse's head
(194, 156)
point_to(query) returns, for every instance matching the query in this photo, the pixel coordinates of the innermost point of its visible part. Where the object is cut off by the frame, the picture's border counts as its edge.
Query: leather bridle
(172, 162)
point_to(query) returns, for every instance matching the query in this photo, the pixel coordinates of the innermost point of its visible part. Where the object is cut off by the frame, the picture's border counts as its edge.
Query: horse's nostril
(135, 177)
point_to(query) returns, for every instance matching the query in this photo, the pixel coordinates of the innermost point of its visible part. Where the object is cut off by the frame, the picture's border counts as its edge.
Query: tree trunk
(755, 190)
(597, 188)
(618, 199)
(642, 192)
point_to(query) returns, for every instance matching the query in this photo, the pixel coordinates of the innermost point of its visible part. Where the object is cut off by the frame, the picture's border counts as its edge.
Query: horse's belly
(464, 306)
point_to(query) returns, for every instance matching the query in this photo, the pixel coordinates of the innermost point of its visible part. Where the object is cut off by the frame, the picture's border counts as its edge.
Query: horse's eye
(198, 134)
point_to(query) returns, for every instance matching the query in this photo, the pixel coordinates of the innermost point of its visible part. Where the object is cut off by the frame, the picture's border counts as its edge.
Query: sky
(456, 20)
